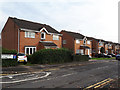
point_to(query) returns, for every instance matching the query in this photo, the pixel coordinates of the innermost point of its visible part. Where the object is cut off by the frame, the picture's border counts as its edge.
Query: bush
(29, 58)
(80, 57)
(9, 62)
(48, 56)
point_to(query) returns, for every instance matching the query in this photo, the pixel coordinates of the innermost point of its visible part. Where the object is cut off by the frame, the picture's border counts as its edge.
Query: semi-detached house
(28, 37)
(77, 42)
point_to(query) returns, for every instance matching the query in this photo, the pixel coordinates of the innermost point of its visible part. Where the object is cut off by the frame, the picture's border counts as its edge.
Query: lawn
(103, 58)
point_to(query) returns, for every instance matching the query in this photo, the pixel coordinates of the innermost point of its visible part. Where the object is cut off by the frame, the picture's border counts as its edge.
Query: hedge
(9, 62)
(80, 57)
(48, 56)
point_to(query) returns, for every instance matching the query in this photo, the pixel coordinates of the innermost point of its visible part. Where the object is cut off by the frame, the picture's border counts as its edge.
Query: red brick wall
(36, 41)
(9, 35)
(69, 41)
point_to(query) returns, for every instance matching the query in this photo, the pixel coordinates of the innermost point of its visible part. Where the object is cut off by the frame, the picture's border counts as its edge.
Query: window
(30, 50)
(88, 42)
(29, 34)
(77, 51)
(110, 45)
(42, 35)
(55, 37)
(84, 42)
(106, 51)
(81, 50)
(77, 41)
(64, 41)
(100, 43)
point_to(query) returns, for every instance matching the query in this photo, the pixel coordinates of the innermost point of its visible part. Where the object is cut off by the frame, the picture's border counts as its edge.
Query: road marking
(47, 74)
(101, 83)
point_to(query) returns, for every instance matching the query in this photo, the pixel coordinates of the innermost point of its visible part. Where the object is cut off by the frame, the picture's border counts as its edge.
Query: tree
(102, 50)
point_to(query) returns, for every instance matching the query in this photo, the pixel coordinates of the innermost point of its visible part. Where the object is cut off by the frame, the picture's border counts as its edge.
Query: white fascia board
(44, 29)
(47, 41)
(39, 31)
(48, 32)
(85, 38)
(23, 29)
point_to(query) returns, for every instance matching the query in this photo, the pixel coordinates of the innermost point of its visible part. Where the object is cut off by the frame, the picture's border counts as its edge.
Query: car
(113, 55)
(99, 55)
(118, 57)
(102, 55)
(107, 56)
(21, 58)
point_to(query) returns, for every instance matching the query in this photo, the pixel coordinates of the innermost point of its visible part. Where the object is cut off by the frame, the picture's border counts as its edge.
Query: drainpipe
(18, 39)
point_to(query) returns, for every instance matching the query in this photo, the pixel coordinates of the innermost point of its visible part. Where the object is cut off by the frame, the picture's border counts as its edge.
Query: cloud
(96, 18)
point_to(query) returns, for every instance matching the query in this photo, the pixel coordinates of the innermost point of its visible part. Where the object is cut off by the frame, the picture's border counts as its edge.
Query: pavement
(85, 75)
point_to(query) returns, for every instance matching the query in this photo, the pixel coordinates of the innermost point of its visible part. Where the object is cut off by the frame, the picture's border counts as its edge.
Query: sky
(93, 18)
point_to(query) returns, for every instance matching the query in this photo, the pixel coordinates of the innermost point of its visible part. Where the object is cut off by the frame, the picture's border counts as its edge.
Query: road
(73, 75)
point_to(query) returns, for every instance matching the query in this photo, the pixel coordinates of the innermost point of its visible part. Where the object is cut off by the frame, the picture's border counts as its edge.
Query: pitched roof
(49, 44)
(74, 34)
(33, 25)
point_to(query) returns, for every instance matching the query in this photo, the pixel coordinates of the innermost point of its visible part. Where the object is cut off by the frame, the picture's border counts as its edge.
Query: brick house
(97, 44)
(28, 37)
(116, 48)
(109, 47)
(76, 42)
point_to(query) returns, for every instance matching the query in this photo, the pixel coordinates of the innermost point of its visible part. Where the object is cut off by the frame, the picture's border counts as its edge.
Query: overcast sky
(93, 18)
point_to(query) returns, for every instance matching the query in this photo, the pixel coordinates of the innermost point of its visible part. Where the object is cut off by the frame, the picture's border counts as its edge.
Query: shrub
(29, 58)
(46, 56)
(9, 62)
(80, 57)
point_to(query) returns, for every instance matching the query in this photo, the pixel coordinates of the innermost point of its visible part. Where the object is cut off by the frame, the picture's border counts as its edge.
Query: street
(72, 75)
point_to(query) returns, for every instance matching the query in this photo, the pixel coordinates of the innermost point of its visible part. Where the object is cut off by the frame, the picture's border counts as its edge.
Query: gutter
(18, 39)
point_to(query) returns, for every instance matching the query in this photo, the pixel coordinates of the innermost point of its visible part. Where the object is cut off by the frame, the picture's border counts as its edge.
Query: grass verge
(103, 58)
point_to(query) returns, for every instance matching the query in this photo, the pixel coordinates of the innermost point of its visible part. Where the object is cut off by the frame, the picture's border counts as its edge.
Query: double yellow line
(99, 84)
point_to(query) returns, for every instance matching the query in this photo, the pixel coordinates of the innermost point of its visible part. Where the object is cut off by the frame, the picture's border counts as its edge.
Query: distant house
(77, 42)
(97, 44)
(108, 47)
(28, 37)
(116, 48)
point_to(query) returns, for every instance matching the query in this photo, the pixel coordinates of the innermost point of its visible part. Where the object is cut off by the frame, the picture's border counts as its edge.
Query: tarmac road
(71, 75)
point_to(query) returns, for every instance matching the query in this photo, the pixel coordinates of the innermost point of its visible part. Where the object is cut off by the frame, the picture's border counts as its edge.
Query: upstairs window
(55, 37)
(100, 43)
(29, 35)
(77, 41)
(88, 42)
(42, 35)
(64, 41)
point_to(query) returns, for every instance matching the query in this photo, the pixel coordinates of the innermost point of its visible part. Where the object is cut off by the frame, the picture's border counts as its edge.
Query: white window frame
(88, 42)
(64, 42)
(82, 51)
(100, 43)
(78, 51)
(29, 34)
(55, 37)
(29, 50)
(44, 35)
(77, 41)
